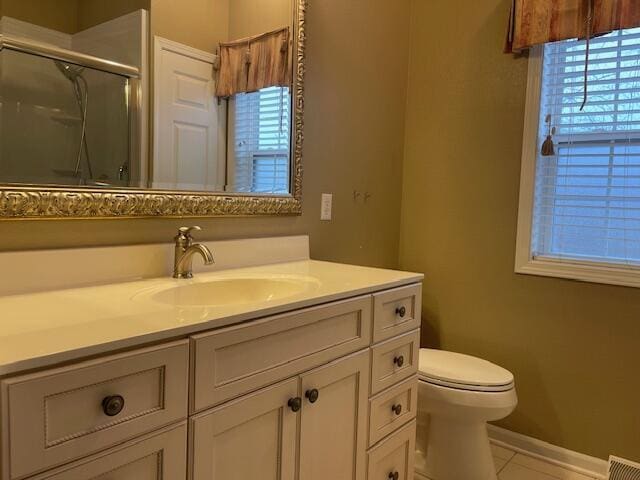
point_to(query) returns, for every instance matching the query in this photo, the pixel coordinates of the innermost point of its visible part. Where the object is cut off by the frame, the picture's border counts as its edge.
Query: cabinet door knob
(399, 360)
(401, 312)
(312, 395)
(397, 409)
(394, 476)
(295, 404)
(112, 405)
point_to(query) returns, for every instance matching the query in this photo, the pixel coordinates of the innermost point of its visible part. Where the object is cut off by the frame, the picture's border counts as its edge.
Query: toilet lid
(463, 371)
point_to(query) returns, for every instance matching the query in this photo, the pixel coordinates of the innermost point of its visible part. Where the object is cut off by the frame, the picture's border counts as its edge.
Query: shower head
(69, 70)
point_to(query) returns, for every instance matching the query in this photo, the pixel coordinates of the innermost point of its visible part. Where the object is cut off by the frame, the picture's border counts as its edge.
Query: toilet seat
(463, 372)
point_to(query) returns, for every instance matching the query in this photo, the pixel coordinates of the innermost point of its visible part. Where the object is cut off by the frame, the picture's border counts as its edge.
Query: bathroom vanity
(300, 369)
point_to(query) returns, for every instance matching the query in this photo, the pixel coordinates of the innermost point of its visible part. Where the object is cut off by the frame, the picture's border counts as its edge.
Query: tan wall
(61, 15)
(201, 24)
(574, 347)
(69, 16)
(253, 17)
(95, 12)
(354, 140)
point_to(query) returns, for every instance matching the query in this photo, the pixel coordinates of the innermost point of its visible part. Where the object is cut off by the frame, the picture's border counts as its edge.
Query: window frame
(525, 263)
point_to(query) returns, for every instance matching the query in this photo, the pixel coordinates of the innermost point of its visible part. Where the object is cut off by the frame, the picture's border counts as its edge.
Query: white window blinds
(262, 140)
(587, 196)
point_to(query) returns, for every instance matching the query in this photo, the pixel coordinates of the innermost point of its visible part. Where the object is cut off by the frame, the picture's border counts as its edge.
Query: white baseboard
(567, 459)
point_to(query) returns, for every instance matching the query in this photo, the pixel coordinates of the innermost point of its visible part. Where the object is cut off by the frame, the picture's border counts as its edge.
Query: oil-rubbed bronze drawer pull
(112, 405)
(397, 409)
(399, 361)
(401, 312)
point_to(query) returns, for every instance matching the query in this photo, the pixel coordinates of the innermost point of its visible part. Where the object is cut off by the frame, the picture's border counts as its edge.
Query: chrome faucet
(185, 250)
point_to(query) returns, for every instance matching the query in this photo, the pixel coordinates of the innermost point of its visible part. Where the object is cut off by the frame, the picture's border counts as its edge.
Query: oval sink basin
(233, 291)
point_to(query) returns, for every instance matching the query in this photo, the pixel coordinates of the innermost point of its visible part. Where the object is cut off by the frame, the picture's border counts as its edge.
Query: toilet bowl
(457, 396)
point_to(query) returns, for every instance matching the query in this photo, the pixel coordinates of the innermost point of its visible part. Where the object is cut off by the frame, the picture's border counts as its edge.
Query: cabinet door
(333, 428)
(250, 438)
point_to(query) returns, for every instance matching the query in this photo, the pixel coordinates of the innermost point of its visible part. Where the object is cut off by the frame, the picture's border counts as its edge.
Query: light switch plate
(327, 204)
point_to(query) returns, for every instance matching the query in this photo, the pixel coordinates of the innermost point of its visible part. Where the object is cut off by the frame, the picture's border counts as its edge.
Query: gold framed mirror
(78, 171)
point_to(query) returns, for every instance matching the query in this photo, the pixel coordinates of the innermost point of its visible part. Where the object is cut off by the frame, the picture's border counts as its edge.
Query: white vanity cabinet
(329, 391)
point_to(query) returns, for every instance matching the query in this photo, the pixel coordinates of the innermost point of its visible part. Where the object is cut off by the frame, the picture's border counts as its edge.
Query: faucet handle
(186, 231)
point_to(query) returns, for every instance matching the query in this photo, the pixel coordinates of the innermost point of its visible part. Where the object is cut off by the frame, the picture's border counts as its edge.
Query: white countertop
(41, 329)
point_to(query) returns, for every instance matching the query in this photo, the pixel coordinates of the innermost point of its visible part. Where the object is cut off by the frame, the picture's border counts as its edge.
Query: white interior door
(189, 123)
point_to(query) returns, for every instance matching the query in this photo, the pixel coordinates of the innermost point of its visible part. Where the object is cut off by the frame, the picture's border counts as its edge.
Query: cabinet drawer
(394, 455)
(161, 456)
(392, 409)
(396, 311)
(394, 360)
(63, 414)
(233, 361)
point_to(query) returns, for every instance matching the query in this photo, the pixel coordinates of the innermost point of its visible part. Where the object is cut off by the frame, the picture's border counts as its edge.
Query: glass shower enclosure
(67, 118)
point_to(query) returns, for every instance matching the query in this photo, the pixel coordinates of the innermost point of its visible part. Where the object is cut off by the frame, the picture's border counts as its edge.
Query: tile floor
(517, 466)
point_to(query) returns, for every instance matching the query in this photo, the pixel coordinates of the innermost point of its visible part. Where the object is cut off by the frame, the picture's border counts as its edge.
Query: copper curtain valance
(250, 64)
(535, 22)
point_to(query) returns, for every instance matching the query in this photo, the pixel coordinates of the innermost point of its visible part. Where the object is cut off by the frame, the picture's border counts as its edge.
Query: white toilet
(458, 394)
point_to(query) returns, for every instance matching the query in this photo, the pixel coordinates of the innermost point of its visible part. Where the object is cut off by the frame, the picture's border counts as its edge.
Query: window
(580, 207)
(261, 141)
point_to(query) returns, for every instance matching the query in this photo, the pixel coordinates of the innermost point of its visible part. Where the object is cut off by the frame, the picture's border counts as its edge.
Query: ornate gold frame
(35, 202)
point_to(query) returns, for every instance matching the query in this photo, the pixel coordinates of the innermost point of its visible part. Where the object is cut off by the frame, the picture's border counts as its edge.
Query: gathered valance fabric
(534, 22)
(251, 64)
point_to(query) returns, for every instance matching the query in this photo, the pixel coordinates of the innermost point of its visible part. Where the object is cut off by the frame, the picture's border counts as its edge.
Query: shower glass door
(63, 124)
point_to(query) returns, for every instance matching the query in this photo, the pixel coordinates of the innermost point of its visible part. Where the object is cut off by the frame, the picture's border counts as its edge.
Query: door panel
(190, 125)
(333, 428)
(253, 437)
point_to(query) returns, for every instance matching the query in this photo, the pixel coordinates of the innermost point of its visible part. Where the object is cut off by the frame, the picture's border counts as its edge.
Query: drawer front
(394, 360)
(60, 415)
(233, 361)
(392, 409)
(395, 455)
(396, 311)
(161, 456)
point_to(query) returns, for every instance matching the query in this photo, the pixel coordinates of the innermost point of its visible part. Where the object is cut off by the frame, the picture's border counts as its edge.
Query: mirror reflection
(155, 94)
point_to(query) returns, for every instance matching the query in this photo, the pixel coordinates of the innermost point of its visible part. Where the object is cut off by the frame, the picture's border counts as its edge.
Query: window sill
(585, 272)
